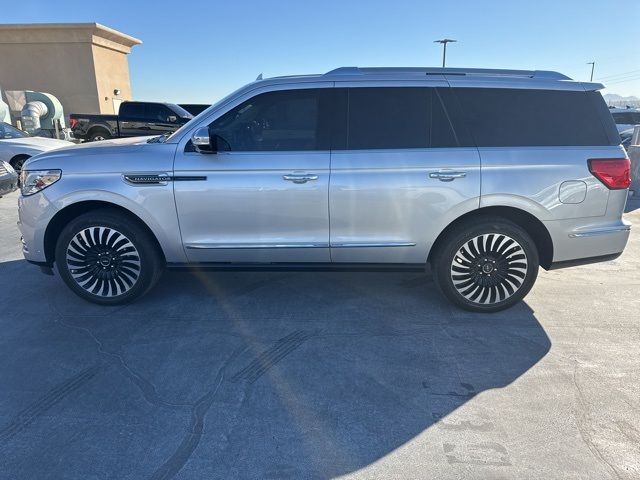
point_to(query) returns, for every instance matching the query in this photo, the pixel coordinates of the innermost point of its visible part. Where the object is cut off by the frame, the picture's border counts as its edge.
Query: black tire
(98, 135)
(485, 264)
(108, 258)
(17, 162)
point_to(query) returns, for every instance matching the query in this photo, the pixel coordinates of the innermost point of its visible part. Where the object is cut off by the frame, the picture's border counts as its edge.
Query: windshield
(180, 111)
(178, 133)
(7, 131)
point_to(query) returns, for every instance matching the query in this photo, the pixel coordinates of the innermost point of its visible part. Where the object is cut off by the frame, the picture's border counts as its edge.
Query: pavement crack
(146, 387)
(586, 438)
(192, 437)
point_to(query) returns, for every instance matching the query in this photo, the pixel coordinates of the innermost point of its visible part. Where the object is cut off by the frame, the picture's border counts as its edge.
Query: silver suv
(484, 175)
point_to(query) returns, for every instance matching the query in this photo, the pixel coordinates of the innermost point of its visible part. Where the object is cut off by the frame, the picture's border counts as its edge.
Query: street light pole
(593, 65)
(444, 42)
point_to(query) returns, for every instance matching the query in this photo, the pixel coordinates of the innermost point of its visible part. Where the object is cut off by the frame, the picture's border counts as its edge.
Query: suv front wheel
(107, 258)
(485, 265)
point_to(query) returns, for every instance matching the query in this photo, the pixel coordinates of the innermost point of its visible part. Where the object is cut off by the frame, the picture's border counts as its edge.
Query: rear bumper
(575, 243)
(583, 261)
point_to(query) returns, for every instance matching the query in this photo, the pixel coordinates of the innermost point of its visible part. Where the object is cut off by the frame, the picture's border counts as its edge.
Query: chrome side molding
(600, 231)
(368, 245)
(230, 246)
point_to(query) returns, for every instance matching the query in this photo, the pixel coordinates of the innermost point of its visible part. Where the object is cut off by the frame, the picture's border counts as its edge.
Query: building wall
(81, 64)
(65, 70)
(111, 72)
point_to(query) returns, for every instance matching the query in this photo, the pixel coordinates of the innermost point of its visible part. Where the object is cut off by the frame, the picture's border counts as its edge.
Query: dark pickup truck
(135, 119)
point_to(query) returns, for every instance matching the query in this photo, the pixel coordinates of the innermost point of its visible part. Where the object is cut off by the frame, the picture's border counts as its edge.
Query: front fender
(158, 213)
(152, 204)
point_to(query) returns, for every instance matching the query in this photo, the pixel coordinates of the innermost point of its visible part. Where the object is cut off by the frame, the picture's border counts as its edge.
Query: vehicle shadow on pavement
(249, 375)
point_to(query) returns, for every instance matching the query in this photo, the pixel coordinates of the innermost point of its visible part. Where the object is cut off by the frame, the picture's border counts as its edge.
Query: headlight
(35, 180)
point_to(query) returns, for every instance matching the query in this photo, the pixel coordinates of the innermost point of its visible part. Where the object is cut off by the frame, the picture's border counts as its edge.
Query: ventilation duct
(40, 113)
(31, 115)
(4, 111)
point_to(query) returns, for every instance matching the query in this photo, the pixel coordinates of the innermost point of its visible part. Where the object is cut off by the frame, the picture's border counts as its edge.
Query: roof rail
(485, 72)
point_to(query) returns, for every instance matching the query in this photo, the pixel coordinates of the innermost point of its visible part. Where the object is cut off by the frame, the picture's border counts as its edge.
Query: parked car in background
(135, 119)
(8, 178)
(626, 137)
(194, 109)
(625, 118)
(17, 146)
(485, 175)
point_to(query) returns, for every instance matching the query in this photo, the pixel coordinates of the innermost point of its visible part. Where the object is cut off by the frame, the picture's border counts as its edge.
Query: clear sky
(198, 51)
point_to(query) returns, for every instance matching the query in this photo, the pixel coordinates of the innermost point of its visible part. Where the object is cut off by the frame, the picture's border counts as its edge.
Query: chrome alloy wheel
(103, 261)
(489, 268)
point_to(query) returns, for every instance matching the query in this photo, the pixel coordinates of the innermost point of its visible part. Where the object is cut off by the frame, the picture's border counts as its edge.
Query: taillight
(73, 122)
(615, 173)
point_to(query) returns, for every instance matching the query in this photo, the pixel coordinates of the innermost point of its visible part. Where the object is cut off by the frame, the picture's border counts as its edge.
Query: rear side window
(397, 117)
(132, 110)
(500, 117)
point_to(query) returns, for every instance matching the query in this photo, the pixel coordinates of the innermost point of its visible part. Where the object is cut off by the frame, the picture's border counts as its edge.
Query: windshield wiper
(160, 139)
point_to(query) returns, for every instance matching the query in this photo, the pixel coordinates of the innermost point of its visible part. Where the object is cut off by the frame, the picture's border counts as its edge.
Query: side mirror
(172, 119)
(201, 140)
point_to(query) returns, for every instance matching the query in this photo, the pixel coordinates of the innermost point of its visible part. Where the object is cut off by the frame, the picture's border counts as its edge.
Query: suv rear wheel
(486, 264)
(107, 258)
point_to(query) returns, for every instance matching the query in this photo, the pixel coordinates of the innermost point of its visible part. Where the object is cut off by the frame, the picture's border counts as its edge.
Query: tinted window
(274, 121)
(622, 118)
(7, 131)
(132, 110)
(179, 111)
(518, 117)
(398, 117)
(635, 118)
(158, 112)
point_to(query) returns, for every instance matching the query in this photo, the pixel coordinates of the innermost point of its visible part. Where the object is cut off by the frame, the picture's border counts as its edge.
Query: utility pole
(444, 42)
(593, 65)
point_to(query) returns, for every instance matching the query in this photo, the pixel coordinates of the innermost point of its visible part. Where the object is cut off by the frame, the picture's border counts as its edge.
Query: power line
(622, 74)
(631, 79)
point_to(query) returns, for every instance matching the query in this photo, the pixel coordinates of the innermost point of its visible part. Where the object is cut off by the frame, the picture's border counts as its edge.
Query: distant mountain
(619, 98)
(620, 101)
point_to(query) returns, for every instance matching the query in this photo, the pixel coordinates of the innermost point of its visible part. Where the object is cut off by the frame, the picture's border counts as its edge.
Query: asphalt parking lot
(319, 375)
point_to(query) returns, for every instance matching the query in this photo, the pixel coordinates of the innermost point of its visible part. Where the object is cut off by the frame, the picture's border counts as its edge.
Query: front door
(263, 197)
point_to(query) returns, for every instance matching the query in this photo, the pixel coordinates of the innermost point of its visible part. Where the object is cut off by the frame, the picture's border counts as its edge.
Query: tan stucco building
(80, 63)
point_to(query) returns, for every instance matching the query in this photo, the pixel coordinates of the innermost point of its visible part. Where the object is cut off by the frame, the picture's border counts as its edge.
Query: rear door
(132, 120)
(399, 172)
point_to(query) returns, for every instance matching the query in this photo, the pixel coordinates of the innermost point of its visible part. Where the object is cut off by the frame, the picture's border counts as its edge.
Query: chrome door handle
(299, 178)
(447, 176)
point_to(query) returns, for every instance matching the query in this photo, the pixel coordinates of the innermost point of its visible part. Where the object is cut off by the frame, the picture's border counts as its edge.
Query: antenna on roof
(259, 77)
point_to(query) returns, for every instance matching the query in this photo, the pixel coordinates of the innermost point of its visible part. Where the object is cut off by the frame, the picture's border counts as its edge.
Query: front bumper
(8, 184)
(8, 179)
(34, 213)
